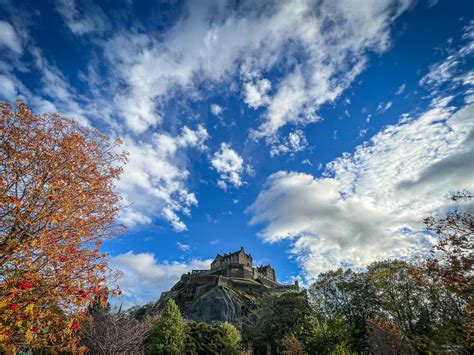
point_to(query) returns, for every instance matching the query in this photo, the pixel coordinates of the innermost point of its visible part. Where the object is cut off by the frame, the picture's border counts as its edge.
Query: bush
(202, 338)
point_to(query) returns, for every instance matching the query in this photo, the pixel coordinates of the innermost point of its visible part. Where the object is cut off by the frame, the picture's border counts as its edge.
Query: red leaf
(24, 285)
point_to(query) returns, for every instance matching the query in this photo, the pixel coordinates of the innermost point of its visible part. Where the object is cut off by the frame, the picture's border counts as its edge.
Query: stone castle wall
(239, 257)
(235, 270)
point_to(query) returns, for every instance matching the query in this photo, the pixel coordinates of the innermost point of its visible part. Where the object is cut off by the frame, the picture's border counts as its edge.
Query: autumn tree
(292, 346)
(384, 337)
(451, 262)
(451, 259)
(57, 204)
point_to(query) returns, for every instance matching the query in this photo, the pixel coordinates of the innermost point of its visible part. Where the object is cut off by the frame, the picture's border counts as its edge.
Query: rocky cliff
(211, 299)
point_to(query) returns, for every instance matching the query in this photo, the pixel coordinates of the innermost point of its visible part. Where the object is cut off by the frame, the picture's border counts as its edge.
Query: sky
(315, 134)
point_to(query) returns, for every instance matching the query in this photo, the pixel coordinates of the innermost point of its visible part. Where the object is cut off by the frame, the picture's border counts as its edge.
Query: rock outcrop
(211, 299)
(229, 292)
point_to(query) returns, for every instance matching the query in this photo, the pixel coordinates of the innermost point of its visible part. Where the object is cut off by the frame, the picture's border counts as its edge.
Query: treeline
(394, 307)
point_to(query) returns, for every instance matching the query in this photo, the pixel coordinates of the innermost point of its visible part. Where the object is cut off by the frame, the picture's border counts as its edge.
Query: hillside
(212, 298)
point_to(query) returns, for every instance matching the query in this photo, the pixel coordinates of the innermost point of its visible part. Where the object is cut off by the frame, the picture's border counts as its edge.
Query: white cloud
(370, 204)
(211, 46)
(182, 246)
(294, 143)
(53, 93)
(382, 107)
(213, 43)
(9, 38)
(229, 165)
(216, 109)
(154, 179)
(55, 85)
(89, 18)
(401, 89)
(362, 133)
(255, 94)
(8, 88)
(451, 71)
(144, 277)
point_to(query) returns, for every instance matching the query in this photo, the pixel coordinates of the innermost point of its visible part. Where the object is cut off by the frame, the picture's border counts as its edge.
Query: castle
(240, 265)
(229, 291)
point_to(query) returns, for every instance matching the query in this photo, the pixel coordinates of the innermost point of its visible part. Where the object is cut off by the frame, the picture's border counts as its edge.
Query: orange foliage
(56, 206)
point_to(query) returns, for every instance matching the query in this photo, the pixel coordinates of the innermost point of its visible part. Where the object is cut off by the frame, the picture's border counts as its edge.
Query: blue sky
(316, 134)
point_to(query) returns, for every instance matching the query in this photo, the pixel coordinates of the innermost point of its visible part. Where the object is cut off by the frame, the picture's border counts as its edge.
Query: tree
(278, 316)
(57, 204)
(394, 305)
(342, 299)
(114, 333)
(231, 338)
(167, 335)
(292, 346)
(404, 300)
(451, 265)
(384, 337)
(203, 339)
(451, 260)
(422, 309)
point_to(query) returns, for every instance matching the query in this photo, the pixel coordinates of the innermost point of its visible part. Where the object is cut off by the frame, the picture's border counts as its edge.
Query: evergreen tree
(167, 335)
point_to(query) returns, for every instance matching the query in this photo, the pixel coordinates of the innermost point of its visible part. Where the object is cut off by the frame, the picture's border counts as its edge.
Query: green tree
(231, 337)
(343, 302)
(279, 315)
(167, 335)
(202, 338)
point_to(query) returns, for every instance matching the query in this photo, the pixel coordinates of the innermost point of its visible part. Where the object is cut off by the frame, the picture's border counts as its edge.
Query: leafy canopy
(57, 204)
